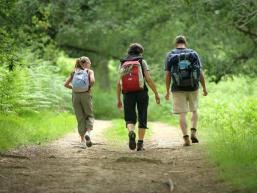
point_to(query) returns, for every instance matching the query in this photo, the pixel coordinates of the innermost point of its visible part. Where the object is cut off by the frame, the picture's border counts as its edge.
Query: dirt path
(62, 167)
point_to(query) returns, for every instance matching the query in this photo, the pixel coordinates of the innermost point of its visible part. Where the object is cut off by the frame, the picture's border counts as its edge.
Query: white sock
(88, 133)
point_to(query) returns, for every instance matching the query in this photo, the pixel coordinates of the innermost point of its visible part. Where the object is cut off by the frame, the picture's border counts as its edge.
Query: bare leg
(131, 127)
(194, 119)
(183, 123)
(82, 138)
(141, 133)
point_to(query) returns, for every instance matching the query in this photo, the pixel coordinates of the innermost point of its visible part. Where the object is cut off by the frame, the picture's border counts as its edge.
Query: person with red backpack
(134, 73)
(183, 68)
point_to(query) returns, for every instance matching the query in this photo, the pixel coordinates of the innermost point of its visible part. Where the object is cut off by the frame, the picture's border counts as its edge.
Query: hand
(157, 98)
(119, 104)
(167, 96)
(205, 93)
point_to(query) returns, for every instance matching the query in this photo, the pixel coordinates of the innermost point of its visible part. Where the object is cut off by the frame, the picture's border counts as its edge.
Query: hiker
(134, 72)
(183, 67)
(81, 81)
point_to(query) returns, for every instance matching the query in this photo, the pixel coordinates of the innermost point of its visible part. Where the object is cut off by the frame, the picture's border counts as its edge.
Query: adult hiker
(80, 81)
(183, 68)
(134, 73)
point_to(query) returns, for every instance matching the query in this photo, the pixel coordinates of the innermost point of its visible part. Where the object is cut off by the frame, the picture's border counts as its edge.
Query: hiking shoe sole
(88, 141)
(132, 140)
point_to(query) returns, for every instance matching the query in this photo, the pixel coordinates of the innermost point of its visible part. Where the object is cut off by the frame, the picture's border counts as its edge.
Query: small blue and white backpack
(80, 81)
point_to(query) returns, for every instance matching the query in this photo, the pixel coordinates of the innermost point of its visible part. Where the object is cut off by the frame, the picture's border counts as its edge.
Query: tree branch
(90, 50)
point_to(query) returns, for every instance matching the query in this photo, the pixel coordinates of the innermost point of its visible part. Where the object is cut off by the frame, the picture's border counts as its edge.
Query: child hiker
(134, 73)
(80, 81)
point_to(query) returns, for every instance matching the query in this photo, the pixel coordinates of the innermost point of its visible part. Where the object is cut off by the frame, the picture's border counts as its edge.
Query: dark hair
(180, 40)
(135, 49)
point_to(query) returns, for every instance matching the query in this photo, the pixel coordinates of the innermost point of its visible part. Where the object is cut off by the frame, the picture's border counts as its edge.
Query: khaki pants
(185, 101)
(83, 107)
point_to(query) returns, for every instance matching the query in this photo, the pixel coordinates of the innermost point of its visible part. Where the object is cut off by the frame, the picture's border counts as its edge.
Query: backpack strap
(89, 86)
(141, 65)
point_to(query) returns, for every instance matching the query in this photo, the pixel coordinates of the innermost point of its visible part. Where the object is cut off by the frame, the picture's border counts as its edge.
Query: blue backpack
(185, 69)
(80, 81)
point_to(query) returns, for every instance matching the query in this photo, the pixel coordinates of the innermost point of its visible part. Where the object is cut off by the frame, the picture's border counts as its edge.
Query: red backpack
(132, 78)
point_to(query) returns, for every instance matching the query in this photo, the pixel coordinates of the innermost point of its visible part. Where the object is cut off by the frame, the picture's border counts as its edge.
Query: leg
(194, 119)
(129, 102)
(89, 117)
(183, 123)
(193, 105)
(80, 117)
(78, 109)
(141, 134)
(131, 127)
(142, 106)
(183, 126)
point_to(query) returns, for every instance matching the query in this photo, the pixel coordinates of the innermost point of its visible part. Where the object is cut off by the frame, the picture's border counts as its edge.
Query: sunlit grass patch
(33, 128)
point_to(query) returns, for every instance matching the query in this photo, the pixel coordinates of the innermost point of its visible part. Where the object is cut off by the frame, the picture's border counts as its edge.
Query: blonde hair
(85, 59)
(78, 64)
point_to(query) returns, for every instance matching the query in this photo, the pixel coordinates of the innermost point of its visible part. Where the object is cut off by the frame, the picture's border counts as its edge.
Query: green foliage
(33, 89)
(33, 128)
(118, 132)
(229, 119)
(32, 67)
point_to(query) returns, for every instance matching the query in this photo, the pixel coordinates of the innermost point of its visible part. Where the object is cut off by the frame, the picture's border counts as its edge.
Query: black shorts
(133, 100)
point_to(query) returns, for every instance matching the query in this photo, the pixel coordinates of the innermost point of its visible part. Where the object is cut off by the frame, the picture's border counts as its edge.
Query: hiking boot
(140, 146)
(193, 136)
(132, 140)
(82, 145)
(186, 140)
(88, 141)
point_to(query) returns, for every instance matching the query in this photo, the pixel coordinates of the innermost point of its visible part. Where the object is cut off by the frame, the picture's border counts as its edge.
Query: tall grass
(29, 128)
(229, 122)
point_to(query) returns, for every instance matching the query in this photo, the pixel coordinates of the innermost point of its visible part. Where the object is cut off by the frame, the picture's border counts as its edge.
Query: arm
(67, 83)
(92, 77)
(119, 103)
(152, 85)
(168, 80)
(202, 81)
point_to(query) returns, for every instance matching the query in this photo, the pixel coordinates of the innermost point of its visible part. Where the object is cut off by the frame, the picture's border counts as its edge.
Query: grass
(227, 126)
(118, 132)
(228, 121)
(32, 128)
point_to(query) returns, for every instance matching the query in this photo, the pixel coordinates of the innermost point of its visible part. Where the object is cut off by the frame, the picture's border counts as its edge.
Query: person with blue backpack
(80, 81)
(184, 69)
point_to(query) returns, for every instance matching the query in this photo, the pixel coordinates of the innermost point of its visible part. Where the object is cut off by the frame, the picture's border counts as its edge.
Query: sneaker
(88, 141)
(132, 140)
(193, 136)
(140, 146)
(186, 140)
(83, 145)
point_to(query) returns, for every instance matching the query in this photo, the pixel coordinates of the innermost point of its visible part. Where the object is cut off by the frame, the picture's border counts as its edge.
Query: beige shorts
(185, 101)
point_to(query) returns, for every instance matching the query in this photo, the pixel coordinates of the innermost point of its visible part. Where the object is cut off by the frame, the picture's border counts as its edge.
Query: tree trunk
(102, 74)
